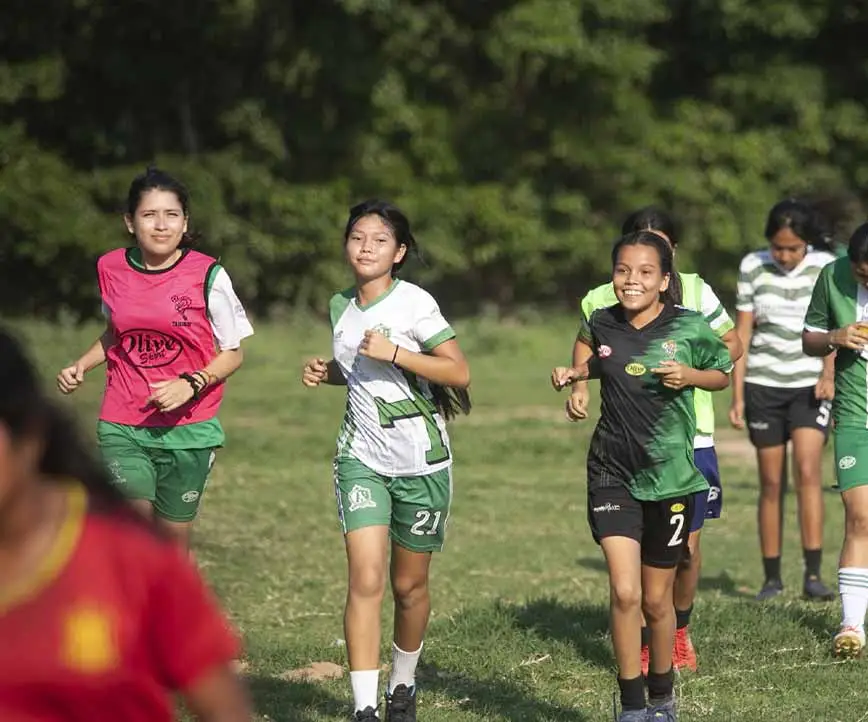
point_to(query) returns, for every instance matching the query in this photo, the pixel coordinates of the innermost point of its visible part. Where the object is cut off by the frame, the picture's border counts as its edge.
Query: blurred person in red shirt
(101, 617)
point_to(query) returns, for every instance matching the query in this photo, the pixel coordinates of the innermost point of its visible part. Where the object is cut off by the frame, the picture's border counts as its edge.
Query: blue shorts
(707, 504)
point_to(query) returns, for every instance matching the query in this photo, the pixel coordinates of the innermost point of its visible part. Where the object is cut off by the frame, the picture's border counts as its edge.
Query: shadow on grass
(584, 626)
(821, 620)
(724, 584)
(284, 701)
(487, 696)
(596, 564)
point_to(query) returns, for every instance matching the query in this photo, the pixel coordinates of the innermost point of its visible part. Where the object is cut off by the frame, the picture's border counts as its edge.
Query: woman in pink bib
(173, 335)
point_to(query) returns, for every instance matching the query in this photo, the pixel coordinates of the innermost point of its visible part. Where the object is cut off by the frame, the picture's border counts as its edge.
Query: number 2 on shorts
(676, 520)
(423, 516)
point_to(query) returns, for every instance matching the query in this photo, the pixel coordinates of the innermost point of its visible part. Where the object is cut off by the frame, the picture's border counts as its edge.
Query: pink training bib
(161, 326)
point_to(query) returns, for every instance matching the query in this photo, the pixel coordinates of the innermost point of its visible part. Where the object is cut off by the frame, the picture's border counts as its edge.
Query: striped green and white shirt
(779, 300)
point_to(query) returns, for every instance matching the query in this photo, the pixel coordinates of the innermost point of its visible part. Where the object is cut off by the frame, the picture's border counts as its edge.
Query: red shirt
(113, 621)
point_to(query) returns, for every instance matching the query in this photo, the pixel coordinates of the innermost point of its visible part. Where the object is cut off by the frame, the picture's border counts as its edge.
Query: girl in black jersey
(649, 354)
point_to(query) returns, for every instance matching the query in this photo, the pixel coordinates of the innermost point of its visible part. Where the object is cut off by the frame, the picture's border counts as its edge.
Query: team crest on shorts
(677, 508)
(635, 368)
(670, 348)
(360, 498)
(604, 351)
(847, 462)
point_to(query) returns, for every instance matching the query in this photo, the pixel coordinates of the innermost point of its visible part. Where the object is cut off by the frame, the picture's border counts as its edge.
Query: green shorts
(851, 457)
(415, 508)
(173, 480)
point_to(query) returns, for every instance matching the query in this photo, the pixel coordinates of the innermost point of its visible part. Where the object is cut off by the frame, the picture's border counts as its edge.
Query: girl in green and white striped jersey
(405, 376)
(782, 394)
(837, 320)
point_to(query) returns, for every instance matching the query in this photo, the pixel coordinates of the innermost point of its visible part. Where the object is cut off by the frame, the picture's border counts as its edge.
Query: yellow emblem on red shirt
(89, 640)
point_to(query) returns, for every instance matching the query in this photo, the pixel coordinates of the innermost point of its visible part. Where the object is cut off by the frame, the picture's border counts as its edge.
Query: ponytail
(450, 401)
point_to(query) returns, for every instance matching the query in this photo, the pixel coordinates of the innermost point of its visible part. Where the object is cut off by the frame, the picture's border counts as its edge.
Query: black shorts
(772, 413)
(660, 527)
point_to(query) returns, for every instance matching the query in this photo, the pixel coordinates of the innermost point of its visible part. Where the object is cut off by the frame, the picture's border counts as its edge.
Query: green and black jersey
(644, 438)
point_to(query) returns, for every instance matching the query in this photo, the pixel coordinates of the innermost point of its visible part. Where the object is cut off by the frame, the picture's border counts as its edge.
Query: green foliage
(516, 134)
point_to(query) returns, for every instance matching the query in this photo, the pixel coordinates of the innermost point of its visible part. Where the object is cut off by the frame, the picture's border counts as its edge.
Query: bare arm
(71, 377)
(733, 344)
(744, 322)
(708, 379)
(445, 365)
(817, 343)
(219, 696)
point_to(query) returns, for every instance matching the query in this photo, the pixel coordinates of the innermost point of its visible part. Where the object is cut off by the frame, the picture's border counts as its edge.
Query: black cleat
(815, 589)
(365, 715)
(771, 588)
(401, 704)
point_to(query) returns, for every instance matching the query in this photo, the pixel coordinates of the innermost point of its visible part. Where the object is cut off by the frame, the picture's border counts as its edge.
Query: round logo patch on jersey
(604, 351)
(635, 368)
(677, 508)
(847, 462)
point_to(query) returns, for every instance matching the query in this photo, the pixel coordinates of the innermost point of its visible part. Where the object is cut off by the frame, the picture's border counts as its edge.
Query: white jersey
(391, 424)
(779, 300)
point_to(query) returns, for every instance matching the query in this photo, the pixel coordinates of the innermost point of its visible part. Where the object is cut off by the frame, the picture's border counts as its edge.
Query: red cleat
(683, 653)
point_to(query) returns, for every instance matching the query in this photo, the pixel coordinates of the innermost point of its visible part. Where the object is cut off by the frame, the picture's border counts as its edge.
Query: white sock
(365, 688)
(403, 667)
(853, 587)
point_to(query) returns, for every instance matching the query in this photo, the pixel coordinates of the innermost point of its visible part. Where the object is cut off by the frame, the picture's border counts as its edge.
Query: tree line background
(515, 133)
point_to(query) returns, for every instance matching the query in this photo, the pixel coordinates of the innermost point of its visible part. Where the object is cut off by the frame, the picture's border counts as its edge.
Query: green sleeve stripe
(724, 328)
(438, 338)
(710, 318)
(210, 275)
(338, 304)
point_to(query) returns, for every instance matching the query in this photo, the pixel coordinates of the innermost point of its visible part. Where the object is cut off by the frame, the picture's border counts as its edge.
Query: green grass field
(519, 628)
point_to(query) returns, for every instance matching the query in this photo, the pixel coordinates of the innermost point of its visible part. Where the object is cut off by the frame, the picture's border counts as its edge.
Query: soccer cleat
(646, 659)
(848, 643)
(365, 715)
(683, 653)
(633, 715)
(771, 588)
(401, 704)
(662, 711)
(816, 590)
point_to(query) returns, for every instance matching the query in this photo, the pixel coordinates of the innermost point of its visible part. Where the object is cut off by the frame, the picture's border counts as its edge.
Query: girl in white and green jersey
(693, 293)
(837, 320)
(405, 376)
(781, 394)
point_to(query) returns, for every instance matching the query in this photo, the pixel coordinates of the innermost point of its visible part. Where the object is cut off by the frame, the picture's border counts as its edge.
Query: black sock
(633, 692)
(646, 636)
(660, 686)
(813, 559)
(772, 568)
(682, 617)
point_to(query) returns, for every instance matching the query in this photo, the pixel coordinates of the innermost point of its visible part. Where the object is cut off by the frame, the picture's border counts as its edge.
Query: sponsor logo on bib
(150, 349)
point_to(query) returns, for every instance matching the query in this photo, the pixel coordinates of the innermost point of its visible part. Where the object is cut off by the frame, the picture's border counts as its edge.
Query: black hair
(156, 179)
(805, 219)
(66, 458)
(449, 401)
(857, 250)
(652, 218)
(393, 217)
(664, 252)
